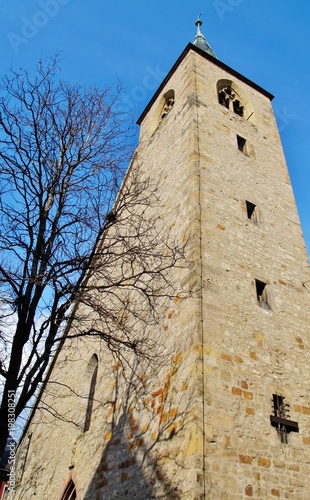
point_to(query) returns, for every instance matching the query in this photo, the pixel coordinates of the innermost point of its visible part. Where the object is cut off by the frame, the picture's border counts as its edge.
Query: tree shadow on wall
(130, 467)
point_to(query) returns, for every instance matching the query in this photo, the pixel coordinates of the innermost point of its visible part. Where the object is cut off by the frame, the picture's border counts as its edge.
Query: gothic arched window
(70, 491)
(229, 98)
(168, 104)
(92, 371)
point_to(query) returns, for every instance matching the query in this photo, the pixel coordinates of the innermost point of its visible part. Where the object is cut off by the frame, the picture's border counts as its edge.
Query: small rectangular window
(241, 144)
(251, 211)
(261, 293)
(280, 411)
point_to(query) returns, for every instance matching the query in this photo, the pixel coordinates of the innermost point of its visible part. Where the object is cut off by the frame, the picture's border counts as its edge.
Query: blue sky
(137, 42)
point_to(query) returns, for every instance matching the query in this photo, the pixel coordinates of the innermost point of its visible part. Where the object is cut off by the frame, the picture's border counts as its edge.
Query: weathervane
(198, 21)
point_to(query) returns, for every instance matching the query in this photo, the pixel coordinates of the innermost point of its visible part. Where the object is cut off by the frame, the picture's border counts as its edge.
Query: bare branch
(73, 244)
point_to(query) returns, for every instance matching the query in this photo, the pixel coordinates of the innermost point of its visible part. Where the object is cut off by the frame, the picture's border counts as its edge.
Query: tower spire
(200, 40)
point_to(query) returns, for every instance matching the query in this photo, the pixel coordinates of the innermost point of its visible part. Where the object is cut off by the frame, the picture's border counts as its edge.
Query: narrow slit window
(93, 370)
(261, 293)
(251, 211)
(241, 144)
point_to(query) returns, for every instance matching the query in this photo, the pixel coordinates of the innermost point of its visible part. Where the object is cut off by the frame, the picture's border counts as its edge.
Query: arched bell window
(169, 98)
(229, 98)
(92, 370)
(70, 491)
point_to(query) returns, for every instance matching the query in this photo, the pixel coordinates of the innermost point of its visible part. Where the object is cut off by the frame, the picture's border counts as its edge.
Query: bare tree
(68, 234)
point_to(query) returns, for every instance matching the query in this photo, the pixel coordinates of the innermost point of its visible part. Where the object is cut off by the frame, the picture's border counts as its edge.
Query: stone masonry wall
(250, 351)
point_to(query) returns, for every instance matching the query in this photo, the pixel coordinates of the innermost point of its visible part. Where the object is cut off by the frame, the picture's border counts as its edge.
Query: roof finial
(198, 20)
(200, 40)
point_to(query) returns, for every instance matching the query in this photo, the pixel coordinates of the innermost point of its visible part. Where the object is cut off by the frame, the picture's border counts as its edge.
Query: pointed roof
(206, 55)
(200, 46)
(200, 40)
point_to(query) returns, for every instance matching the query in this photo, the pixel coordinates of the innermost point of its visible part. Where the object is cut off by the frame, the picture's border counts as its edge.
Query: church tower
(225, 414)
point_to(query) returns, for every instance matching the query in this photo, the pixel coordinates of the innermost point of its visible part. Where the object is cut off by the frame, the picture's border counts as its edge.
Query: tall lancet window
(92, 371)
(70, 491)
